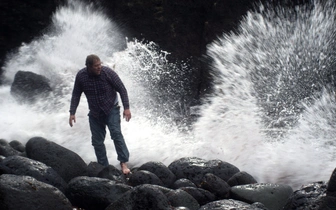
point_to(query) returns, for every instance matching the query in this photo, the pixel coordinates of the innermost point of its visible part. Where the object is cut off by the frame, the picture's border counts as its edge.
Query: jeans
(98, 131)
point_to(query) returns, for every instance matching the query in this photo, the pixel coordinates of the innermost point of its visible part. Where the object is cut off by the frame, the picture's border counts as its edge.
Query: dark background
(181, 27)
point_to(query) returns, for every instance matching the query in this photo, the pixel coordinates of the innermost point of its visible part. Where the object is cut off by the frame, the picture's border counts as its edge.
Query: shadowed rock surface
(67, 163)
(25, 192)
(143, 189)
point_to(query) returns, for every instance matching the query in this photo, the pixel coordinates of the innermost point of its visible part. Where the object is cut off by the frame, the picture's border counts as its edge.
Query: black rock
(92, 193)
(183, 183)
(216, 185)
(28, 86)
(15, 144)
(6, 149)
(201, 195)
(230, 204)
(144, 177)
(309, 197)
(94, 168)
(194, 169)
(161, 171)
(179, 198)
(331, 189)
(27, 167)
(112, 173)
(65, 162)
(241, 178)
(142, 197)
(25, 192)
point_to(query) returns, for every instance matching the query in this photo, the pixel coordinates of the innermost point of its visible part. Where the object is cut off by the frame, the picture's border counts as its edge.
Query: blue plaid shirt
(100, 90)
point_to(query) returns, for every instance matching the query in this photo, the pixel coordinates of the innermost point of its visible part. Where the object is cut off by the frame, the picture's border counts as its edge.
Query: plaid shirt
(100, 91)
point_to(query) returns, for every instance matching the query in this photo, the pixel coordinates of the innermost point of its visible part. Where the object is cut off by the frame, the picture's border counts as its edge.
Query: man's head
(93, 64)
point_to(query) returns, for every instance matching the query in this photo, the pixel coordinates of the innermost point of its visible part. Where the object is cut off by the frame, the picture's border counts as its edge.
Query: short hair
(90, 59)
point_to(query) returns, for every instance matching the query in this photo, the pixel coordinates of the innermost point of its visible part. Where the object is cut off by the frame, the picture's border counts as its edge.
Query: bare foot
(125, 169)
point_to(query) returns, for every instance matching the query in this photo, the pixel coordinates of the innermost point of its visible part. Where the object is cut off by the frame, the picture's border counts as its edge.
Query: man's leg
(98, 136)
(118, 139)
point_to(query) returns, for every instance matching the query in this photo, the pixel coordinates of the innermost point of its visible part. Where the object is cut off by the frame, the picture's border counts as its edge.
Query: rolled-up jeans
(98, 131)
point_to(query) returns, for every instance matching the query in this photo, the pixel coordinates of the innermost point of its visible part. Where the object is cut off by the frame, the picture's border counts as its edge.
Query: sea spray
(273, 93)
(153, 84)
(270, 80)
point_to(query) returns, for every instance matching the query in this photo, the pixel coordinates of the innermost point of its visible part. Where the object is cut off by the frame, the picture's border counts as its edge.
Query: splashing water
(273, 109)
(272, 113)
(79, 30)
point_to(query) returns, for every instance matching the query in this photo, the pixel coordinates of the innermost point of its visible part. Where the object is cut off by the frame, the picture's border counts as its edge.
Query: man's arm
(76, 94)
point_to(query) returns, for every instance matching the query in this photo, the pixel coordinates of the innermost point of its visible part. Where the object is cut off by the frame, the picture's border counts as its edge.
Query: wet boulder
(201, 195)
(6, 149)
(25, 192)
(273, 196)
(93, 193)
(161, 171)
(112, 173)
(28, 86)
(15, 144)
(144, 177)
(183, 183)
(94, 168)
(143, 197)
(232, 204)
(222, 169)
(311, 196)
(65, 162)
(194, 169)
(27, 167)
(331, 189)
(180, 198)
(216, 185)
(241, 178)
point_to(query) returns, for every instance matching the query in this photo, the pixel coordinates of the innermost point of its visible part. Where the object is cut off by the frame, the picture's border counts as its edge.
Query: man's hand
(72, 118)
(127, 115)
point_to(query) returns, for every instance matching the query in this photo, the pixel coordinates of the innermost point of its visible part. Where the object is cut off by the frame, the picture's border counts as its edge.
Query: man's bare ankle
(124, 168)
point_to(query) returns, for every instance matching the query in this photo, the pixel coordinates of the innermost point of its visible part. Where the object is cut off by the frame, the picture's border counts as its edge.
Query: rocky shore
(45, 175)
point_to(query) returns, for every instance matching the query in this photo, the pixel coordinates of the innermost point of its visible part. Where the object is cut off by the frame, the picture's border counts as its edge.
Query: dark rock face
(182, 198)
(112, 173)
(231, 204)
(25, 192)
(215, 185)
(183, 183)
(25, 180)
(17, 146)
(67, 163)
(94, 193)
(195, 168)
(273, 196)
(144, 177)
(28, 86)
(201, 195)
(6, 149)
(311, 196)
(142, 197)
(24, 166)
(93, 169)
(161, 171)
(241, 178)
(331, 190)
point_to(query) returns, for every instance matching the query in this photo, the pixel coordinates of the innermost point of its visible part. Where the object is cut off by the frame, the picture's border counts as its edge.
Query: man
(100, 84)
